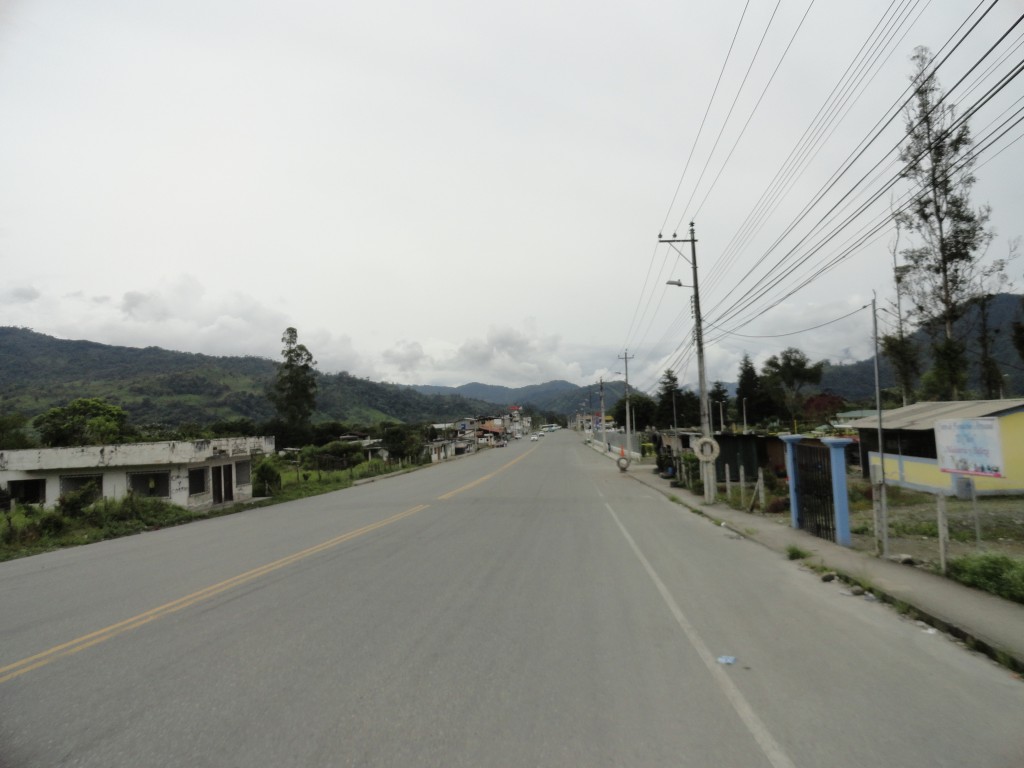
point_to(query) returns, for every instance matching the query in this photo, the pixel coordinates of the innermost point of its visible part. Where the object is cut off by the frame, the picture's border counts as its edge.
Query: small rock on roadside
(830, 576)
(856, 589)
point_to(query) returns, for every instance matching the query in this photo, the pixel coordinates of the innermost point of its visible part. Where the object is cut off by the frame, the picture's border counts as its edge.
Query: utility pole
(709, 477)
(604, 435)
(880, 486)
(627, 357)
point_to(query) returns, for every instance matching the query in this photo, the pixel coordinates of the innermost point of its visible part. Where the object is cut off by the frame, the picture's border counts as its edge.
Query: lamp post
(744, 415)
(721, 415)
(710, 480)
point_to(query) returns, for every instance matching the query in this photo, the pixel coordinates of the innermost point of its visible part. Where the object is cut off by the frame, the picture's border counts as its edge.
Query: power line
(791, 333)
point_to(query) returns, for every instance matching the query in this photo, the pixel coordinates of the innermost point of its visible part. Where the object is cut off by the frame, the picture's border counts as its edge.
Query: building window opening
(151, 484)
(243, 472)
(27, 491)
(74, 483)
(197, 481)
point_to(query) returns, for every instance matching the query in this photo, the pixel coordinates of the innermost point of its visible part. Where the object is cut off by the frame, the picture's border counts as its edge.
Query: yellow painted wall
(925, 473)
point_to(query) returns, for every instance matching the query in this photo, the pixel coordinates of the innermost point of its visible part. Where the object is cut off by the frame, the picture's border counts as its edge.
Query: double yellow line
(72, 647)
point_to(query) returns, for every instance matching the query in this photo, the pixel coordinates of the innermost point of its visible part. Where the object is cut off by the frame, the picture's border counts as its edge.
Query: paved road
(528, 606)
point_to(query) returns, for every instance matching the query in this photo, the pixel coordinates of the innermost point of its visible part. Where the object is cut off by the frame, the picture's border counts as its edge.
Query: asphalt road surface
(526, 606)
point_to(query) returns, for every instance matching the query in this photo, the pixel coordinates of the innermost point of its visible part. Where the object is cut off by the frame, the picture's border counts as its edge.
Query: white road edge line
(771, 748)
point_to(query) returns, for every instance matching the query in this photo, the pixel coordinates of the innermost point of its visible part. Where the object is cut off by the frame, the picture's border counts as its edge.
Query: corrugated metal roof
(923, 416)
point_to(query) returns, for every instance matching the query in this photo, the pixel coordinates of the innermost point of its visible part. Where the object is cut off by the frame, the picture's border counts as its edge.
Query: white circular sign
(706, 448)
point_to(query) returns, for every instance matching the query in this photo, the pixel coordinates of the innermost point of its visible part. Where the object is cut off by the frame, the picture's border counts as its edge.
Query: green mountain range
(157, 386)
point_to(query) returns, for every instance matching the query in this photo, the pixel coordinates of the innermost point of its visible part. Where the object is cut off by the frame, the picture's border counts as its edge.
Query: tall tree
(786, 375)
(1018, 335)
(900, 348)
(750, 394)
(991, 376)
(85, 421)
(644, 411)
(12, 432)
(945, 268)
(667, 412)
(293, 393)
(688, 408)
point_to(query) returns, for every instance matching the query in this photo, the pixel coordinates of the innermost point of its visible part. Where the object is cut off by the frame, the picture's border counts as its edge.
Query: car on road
(534, 438)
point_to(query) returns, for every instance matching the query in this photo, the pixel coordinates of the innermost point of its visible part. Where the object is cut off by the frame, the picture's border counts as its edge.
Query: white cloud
(424, 200)
(21, 295)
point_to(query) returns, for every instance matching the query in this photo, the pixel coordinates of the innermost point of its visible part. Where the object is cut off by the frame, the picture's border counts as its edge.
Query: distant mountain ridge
(153, 385)
(538, 395)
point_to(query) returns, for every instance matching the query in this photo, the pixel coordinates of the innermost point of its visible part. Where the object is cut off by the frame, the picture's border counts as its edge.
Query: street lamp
(721, 415)
(744, 415)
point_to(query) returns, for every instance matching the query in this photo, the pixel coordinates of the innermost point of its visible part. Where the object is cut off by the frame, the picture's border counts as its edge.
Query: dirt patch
(913, 528)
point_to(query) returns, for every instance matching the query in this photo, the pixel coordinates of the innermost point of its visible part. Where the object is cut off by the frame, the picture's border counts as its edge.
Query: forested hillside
(558, 396)
(154, 385)
(856, 381)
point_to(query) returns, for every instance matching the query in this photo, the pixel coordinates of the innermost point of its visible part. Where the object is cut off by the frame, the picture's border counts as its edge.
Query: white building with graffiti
(195, 474)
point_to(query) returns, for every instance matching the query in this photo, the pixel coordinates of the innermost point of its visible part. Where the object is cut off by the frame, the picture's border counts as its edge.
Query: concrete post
(791, 442)
(840, 498)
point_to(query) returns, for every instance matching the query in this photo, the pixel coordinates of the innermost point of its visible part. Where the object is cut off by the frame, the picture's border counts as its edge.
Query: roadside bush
(8, 533)
(371, 468)
(1001, 575)
(691, 471)
(97, 514)
(266, 478)
(29, 533)
(51, 524)
(777, 505)
(73, 503)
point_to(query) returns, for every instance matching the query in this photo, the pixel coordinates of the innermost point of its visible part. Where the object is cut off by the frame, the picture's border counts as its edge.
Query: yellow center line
(79, 644)
(71, 647)
(483, 479)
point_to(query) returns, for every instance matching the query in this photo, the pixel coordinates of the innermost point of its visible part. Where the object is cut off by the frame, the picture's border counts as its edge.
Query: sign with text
(969, 447)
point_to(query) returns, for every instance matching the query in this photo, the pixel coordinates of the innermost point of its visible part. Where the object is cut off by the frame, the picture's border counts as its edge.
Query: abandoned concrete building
(195, 474)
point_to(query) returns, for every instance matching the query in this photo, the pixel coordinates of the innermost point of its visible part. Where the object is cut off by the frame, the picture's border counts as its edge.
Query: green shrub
(8, 533)
(125, 509)
(772, 482)
(370, 468)
(29, 533)
(1001, 575)
(266, 478)
(51, 524)
(691, 470)
(73, 503)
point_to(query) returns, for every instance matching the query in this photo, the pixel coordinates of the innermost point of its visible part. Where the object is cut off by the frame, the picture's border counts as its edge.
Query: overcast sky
(459, 191)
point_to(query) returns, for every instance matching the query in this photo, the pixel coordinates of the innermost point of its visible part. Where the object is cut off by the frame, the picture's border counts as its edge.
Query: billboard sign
(969, 447)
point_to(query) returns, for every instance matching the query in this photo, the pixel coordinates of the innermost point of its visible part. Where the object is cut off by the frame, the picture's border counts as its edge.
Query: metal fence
(616, 441)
